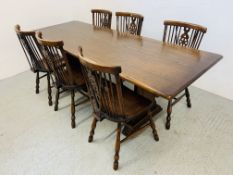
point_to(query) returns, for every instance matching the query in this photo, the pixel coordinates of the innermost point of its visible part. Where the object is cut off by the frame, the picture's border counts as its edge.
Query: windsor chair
(101, 18)
(34, 57)
(185, 35)
(112, 101)
(65, 77)
(129, 23)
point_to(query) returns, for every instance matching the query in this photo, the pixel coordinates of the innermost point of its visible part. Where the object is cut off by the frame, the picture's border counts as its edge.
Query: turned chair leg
(72, 110)
(92, 132)
(117, 147)
(152, 124)
(188, 100)
(37, 82)
(49, 90)
(169, 111)
(56, 99)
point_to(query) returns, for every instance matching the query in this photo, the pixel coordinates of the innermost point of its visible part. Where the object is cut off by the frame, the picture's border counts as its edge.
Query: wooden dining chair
(185, 35)
(65, 77)
(112, 101)
(34, 57)
(129, 23)
(101, 18)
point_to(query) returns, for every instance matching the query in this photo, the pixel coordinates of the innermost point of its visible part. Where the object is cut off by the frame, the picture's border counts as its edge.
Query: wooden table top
(150, 64)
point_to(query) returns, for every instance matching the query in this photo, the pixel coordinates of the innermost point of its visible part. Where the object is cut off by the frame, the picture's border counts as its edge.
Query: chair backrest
(104, 87)
(183, 34)
(129, 23)
(101, 18)
(56, 59)
(30, 47)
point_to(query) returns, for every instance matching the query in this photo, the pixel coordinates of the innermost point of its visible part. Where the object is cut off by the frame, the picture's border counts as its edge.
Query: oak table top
(159, 68)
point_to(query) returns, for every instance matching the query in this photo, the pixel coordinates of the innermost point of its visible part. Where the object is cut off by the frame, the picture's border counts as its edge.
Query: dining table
(157, 68)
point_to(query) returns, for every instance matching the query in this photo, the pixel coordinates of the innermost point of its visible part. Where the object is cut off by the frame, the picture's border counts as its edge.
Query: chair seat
(78, 77)
(134, 105)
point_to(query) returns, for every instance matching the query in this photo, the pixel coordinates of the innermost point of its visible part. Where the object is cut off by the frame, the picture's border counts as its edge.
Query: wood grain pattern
(157, 67)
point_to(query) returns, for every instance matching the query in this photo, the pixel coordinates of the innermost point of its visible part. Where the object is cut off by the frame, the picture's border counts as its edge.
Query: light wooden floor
(35, 140)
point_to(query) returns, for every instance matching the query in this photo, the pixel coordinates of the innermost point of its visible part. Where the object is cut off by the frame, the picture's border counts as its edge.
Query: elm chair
(185, 35)
(112, 101)
(34, 57)
(65, 77)
(101, 18)
(129, 23)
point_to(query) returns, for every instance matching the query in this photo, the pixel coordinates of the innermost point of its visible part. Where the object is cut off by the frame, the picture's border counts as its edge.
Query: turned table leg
(169, 111)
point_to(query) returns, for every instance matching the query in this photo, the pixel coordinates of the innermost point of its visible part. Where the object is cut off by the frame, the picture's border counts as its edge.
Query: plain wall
(216, 15)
